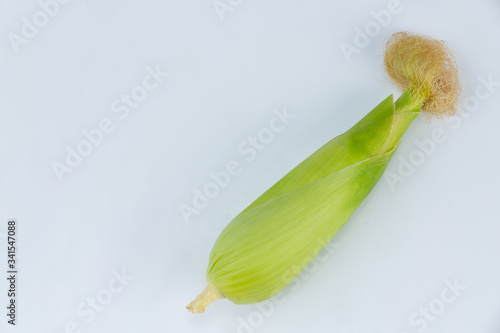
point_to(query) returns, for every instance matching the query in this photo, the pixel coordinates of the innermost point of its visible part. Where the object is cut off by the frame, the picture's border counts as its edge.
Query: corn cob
(253, 257)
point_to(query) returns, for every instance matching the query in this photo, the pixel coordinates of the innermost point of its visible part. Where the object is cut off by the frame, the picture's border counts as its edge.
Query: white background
(119, 209)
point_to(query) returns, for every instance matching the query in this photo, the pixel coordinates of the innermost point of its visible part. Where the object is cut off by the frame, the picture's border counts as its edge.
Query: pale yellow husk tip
(207, 296)
(427, 68)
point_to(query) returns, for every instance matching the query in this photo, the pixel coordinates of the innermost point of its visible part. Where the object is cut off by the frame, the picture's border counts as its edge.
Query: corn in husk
(258, 253)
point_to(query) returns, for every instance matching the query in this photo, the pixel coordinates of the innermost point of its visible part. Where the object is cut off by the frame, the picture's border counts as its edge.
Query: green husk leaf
(259, 251)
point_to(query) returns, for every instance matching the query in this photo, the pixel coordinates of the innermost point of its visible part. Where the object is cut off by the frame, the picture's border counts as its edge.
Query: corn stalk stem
(207, 296)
